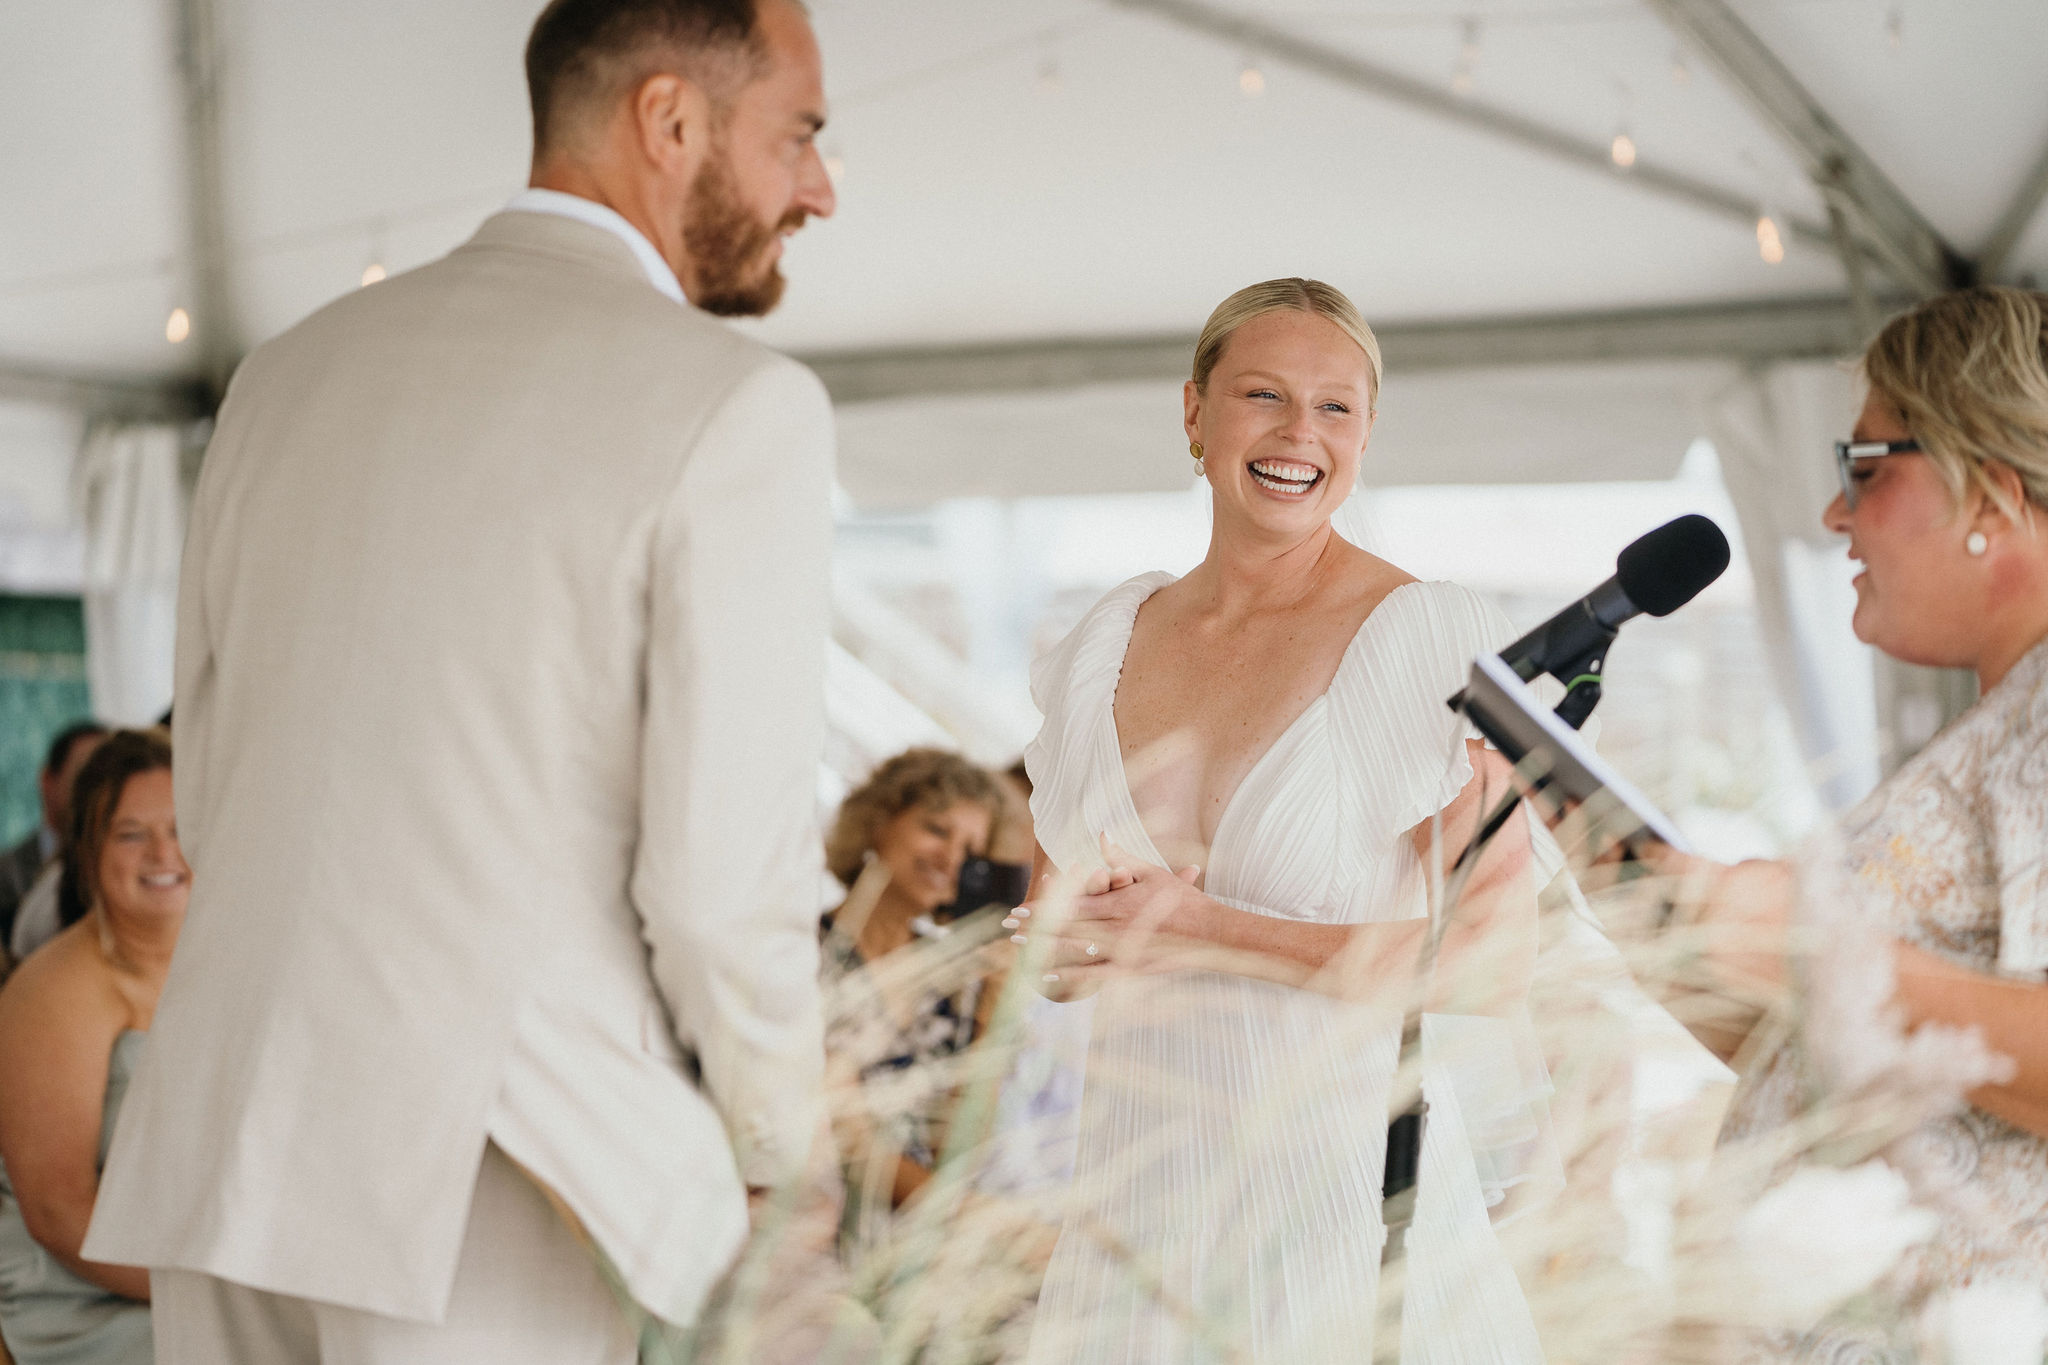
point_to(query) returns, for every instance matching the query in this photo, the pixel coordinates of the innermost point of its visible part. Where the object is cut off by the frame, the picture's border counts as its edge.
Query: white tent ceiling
(1017, 172)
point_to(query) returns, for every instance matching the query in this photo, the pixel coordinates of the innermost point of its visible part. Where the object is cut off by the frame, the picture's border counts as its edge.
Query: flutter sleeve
(1489, 1066)
(1391, 725)
(1074, 755)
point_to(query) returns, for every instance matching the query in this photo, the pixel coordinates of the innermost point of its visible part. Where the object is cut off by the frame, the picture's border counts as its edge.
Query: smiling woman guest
(1945, 505)
(898, 844)
(72, 1021)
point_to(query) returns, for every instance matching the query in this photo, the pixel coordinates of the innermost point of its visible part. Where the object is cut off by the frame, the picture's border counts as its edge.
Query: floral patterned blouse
(895, 1048)
(1951, 849)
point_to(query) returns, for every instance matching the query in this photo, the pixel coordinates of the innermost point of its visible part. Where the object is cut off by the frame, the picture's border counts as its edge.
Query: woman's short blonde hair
(1289, 295)
(1968, 373)
(926, 779)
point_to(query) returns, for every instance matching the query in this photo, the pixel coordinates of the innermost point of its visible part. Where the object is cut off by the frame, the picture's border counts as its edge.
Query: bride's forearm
(1339, 959)
(1357, 961)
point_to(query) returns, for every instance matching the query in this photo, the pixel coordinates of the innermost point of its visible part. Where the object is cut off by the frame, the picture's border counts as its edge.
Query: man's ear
(671, 121)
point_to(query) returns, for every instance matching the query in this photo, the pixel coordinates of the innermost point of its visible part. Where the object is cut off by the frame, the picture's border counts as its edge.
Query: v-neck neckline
(1224, 821)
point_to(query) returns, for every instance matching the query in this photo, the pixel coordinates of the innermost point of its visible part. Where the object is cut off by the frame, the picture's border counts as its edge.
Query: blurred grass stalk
(1652, 1251)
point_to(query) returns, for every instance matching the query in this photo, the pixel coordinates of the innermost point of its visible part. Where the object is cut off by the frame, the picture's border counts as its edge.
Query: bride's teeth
(1285, 478)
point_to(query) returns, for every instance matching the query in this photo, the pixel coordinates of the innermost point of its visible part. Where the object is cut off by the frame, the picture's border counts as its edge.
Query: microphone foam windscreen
(1667, 568)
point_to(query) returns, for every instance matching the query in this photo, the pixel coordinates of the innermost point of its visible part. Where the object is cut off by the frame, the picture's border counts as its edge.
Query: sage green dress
(47, 1314)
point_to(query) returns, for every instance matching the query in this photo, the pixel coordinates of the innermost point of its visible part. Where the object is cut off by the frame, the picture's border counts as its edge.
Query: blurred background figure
(72, 1024)
(1031, 1145)
(1013, 843)
(34, 859)
(898, 844)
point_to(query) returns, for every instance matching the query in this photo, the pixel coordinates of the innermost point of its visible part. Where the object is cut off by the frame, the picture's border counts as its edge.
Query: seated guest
(898, 845)
(22, 865)
(72, 1022)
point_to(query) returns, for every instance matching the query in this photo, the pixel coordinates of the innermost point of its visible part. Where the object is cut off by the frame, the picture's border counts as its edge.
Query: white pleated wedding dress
(1226, 1196)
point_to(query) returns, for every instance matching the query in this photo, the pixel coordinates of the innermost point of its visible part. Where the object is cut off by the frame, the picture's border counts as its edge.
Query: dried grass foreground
(1788, 1241)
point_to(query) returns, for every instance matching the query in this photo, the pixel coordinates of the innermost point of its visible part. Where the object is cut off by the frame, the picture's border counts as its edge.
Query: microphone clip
(1581, 677)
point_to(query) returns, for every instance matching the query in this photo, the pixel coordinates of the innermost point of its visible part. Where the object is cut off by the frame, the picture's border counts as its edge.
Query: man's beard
(728, 246)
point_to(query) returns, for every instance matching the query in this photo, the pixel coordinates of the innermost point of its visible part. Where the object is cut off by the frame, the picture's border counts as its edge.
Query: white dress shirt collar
(597, 215)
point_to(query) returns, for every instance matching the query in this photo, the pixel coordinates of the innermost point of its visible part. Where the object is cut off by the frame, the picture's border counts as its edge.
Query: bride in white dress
(1272, 726)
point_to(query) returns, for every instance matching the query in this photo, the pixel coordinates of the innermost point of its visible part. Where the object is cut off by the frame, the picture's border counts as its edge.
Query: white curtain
(1772, 430)
(133, 508)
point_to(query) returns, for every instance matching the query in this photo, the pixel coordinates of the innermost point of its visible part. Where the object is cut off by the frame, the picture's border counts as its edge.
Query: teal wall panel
(42, 690)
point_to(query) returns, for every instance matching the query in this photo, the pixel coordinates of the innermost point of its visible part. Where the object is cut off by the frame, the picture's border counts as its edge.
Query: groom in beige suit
(499, 709)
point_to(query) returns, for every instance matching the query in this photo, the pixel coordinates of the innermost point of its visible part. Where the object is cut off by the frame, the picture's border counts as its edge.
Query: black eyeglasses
(1847, 453)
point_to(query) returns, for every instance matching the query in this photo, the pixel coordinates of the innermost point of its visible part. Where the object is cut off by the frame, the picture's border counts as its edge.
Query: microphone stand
(1402, 1170)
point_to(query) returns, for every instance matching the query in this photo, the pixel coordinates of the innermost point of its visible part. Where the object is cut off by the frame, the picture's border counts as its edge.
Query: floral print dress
(1950, 850)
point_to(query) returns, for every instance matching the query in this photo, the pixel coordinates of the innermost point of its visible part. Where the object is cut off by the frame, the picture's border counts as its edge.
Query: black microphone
(1657, 574)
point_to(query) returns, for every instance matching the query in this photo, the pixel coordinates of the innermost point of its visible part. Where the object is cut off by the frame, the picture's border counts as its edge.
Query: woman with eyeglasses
(1945, 503)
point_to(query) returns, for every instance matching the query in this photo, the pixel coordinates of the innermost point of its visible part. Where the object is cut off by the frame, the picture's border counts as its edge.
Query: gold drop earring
(1195, 449)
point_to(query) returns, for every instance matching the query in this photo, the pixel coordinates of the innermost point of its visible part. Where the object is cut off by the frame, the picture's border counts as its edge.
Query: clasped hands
(1125, 918)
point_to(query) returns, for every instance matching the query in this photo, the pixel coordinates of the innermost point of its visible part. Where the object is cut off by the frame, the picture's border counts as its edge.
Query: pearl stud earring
(1977, 543)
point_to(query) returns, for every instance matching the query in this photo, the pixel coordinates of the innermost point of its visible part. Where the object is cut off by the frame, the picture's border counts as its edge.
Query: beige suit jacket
(499, 709)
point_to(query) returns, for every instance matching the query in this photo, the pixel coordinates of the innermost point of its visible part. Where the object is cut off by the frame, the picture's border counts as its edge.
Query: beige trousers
(527, 1292)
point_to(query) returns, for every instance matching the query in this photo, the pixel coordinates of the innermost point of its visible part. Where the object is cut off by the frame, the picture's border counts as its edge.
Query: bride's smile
(1285, 477)
(1283, 419)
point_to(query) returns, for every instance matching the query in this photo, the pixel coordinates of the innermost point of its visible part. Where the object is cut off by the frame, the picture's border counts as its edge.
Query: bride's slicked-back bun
(1293, 295)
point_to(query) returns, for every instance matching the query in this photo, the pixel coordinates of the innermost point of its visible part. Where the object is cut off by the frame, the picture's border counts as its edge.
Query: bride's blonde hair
(1295, 295)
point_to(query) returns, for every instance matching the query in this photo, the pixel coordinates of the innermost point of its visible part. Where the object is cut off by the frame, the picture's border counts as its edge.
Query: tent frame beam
(1881, 216)
(2012, 224)
(96, 395)
(1750, 333)
(1398, 87)
(216, 326)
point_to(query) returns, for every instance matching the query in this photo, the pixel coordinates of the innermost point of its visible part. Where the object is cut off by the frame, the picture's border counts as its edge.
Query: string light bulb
(1462, 74)
(1622, 150)
(178, 327)
(1250, 79)
(373, 259)
(1770, 243)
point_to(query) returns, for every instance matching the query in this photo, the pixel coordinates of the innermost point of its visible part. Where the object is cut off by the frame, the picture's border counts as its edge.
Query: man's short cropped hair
(584, 54)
